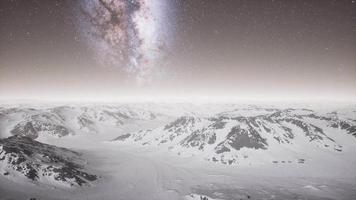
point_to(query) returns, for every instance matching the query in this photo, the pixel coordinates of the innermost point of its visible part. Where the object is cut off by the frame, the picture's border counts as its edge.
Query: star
(127, 34)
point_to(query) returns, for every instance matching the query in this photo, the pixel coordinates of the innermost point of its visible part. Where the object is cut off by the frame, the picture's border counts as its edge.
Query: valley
(185, 151)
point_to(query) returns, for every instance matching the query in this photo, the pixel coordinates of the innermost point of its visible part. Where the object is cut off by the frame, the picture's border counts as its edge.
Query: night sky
(243, 49)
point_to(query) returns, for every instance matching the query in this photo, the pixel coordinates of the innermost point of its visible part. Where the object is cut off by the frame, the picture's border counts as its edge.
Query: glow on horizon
(171, 99)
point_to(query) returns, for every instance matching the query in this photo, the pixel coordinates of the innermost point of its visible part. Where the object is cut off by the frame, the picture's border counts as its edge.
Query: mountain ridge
(222, 137)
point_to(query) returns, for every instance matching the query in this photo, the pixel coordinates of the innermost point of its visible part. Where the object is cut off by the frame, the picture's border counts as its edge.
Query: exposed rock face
(176, 125)
(33, 128)
(226, 135)
(65, 120)
(198, 139)
(344, 125)
(222, 137)
(180, 126)
(239, 138)
(25, 129)
(122, 137)
(38, 162)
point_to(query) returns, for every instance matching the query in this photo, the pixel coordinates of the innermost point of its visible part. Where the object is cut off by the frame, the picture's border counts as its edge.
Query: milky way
(131, 34)
(260, 49)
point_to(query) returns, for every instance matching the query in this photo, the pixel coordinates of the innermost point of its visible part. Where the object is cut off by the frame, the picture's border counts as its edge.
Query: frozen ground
(129, 171)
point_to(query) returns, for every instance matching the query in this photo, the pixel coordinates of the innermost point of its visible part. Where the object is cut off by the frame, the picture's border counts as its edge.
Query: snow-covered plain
(129, 170)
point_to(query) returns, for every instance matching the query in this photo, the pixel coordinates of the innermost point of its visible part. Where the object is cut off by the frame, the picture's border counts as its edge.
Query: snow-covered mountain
(223, 133)
(61, 121)
(177, 151)
(254, 134)
(24, 159)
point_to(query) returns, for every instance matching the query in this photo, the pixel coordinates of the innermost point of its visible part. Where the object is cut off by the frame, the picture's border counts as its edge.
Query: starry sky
(188, 49)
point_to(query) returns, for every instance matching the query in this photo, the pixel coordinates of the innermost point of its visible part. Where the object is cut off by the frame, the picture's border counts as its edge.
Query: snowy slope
(24, 159)
(257, 134)
(59, 121)
(178, 151)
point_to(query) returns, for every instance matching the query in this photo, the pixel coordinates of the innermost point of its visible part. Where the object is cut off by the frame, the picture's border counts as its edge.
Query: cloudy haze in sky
(244, 49)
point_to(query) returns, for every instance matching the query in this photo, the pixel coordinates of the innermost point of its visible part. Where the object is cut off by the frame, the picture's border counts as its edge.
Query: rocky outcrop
(23, 157)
